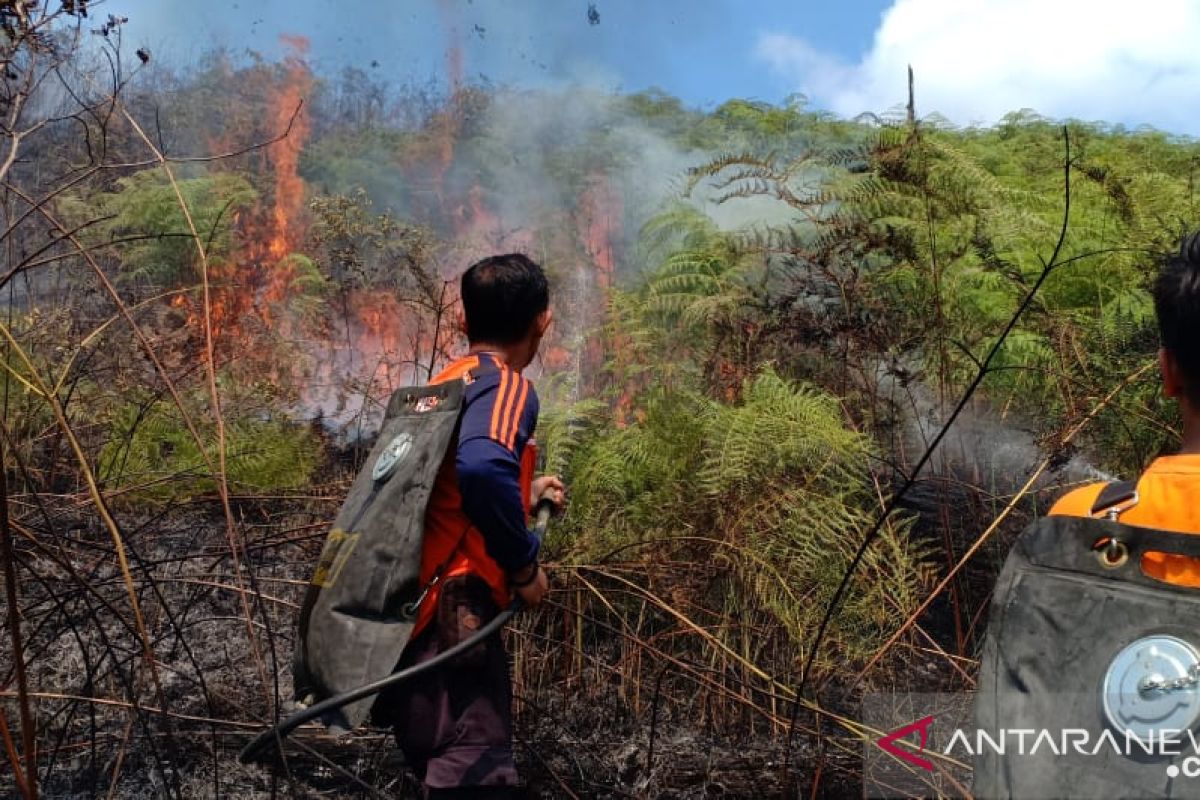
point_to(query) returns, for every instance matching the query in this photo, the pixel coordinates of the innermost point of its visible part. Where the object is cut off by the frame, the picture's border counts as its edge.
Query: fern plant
(152, 457)
(774, 486)
(144, 210)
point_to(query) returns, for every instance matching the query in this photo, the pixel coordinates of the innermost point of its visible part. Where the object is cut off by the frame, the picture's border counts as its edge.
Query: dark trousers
(454, 724)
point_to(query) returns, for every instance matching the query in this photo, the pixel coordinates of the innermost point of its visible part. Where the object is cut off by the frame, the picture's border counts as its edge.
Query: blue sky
(975, 60)
(703, 51)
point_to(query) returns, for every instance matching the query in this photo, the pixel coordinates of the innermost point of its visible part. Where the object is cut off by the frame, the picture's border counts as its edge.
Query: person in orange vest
(1165, 497)
(454, 724)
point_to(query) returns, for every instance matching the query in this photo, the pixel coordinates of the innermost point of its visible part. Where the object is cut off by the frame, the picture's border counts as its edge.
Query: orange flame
(599, 224)
(372, 343)
(287, 213)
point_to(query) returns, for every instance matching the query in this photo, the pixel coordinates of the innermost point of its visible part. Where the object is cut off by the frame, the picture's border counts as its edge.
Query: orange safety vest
(1167, 500)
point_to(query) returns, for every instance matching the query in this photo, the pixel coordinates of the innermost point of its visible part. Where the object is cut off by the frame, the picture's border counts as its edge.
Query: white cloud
(976, 60)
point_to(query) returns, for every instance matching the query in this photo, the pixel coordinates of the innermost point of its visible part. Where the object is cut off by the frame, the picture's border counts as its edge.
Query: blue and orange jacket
(476, 520)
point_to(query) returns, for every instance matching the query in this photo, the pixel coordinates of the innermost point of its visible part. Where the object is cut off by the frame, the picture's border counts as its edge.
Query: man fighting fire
(454, 724)
(1166, 492)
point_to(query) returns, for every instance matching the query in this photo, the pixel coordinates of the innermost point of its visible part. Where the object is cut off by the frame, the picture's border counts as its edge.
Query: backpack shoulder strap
(1115, 499)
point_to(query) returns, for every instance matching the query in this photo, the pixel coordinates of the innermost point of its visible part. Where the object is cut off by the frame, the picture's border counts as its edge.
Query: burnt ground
(603, 710)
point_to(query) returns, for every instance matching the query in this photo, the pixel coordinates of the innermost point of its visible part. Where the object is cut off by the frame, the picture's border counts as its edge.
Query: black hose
(280, 731)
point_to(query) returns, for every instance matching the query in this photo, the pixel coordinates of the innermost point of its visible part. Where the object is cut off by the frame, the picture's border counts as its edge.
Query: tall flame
(368, 343)
(599, 223)
(287, 213)
(600, 226)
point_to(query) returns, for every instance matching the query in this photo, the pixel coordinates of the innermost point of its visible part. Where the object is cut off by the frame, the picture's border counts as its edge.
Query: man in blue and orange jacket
(1168, 490)
(455, 724)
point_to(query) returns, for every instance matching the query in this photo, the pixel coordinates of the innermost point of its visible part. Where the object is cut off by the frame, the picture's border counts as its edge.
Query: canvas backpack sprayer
(1094, 663)
(361, 604)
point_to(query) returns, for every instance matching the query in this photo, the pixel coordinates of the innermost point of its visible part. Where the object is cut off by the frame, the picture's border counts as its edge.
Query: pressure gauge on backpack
(392, 455)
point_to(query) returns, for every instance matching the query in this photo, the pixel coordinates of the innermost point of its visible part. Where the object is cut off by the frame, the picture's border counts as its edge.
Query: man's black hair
(1177, 303)
(502, 296)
